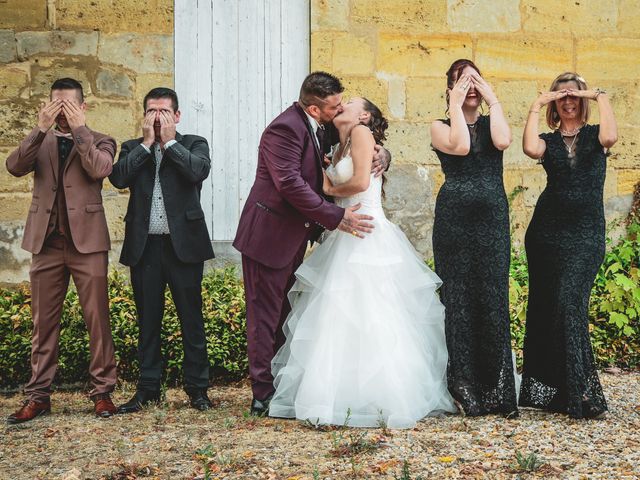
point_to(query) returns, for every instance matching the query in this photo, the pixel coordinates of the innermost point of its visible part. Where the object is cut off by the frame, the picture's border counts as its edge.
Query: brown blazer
(90, 160)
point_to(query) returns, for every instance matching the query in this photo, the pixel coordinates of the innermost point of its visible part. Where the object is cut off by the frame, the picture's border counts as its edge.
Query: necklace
(569, 146)
(572, 133)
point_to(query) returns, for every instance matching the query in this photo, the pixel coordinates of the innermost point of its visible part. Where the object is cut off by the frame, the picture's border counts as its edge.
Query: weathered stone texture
(142, 53)
(47, 70)
(583, 17)
(482, 16)
(413, 55)
(371, 88)
(7, 46)
(629, 18)
(14, 81)
(330, 15)
(607, 59)
(9, 183)
(523, 57)
(23, 14)
(353, 55)
(111, 83)
(56, 43)
(16, 121)
(401, 16)
(426, 99)
(150, 16)
(113, 118)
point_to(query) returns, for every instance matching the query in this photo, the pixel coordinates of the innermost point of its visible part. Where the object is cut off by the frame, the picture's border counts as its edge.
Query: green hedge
(224, 312)
(614, 311)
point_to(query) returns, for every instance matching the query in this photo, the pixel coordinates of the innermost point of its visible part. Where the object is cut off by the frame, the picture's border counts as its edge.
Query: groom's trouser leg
(267, 307)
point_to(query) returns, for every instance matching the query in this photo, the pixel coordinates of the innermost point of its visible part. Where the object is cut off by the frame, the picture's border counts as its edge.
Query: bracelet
(534, 111)
(598, 92)
(494, 103)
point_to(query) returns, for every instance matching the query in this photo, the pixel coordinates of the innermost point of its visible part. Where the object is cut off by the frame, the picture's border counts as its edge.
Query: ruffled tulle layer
(365, 337)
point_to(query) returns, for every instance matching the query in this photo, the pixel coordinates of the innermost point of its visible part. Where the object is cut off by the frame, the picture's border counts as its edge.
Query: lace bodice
(341, 172)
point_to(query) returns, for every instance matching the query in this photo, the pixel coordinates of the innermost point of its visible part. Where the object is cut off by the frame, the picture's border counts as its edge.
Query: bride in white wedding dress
(365, 338)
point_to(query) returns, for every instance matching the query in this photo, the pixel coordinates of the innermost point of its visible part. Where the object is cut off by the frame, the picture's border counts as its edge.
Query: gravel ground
(172, 441)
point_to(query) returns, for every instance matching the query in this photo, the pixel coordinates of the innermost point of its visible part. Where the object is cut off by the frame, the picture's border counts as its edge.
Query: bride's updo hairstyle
(377, 124)
(454, 72)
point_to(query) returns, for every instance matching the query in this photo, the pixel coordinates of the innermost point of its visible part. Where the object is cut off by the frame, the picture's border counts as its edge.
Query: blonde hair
(553, 118)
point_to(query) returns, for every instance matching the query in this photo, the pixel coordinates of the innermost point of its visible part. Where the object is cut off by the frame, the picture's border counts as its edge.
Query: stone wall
(396, 53)
(118, 50)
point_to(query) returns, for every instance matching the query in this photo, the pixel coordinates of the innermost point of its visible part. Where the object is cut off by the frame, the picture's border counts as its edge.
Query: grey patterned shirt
(158, 224)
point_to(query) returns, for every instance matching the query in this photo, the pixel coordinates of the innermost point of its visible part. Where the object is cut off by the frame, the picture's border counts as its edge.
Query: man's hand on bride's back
(381, 160)
(354, 223)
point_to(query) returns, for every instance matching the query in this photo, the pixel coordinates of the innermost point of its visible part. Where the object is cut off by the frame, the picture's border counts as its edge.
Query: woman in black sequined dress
(471, 245)
(565, 245)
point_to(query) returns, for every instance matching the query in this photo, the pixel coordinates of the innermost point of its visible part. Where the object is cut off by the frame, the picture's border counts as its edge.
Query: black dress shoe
(260, 408)
(198, 399)
(141, 399)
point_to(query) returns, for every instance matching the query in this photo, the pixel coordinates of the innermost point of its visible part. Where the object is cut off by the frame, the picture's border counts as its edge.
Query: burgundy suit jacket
(285, 207)
(90, 160)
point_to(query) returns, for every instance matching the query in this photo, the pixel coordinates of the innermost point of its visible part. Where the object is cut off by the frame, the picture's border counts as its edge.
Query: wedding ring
(354, 233)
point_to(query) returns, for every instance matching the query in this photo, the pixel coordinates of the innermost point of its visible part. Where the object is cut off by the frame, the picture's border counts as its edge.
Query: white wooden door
(238, 64)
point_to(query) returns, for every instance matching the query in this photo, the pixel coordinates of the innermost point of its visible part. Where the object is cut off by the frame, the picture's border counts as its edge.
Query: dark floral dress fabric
(471, 247)
(565, 245)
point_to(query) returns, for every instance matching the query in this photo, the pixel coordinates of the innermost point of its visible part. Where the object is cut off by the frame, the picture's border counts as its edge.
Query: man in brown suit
(66, 231)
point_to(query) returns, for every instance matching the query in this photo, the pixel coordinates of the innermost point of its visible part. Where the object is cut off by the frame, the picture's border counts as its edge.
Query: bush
(224, 314)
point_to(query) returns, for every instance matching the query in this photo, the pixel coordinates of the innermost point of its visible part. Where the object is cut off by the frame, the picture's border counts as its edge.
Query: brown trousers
(50, 272)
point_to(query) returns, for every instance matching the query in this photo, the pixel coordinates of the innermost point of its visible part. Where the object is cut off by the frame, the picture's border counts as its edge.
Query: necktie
(320, 136)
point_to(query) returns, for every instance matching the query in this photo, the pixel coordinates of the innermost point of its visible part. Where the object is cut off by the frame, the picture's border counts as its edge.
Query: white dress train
(365, 338)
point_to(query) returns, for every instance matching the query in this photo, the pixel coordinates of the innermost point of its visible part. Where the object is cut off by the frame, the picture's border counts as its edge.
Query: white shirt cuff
(169, 144)
(145, 147)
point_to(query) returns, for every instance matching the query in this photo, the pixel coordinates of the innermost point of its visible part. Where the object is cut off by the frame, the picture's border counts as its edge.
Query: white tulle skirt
(365, 338)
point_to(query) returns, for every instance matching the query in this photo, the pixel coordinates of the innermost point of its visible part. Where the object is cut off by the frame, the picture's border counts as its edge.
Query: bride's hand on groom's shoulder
(355, 223)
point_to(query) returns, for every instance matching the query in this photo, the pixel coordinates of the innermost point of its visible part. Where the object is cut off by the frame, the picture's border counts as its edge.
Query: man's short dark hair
(68, 84)
(318, 86)
(162, 92)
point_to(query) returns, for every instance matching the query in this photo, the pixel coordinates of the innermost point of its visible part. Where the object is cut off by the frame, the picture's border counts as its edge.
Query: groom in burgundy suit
(284, 211)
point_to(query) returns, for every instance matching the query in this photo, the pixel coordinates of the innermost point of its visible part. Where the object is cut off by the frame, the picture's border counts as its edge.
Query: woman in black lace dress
(471, 245)
(565, 245)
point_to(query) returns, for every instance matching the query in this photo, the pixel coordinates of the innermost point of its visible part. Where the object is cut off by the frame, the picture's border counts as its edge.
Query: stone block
(420, 55)
(145, 83)
(426, 99)
(7, 46)
(14, 206)
(113, 83)
(625, 101)
(113, 118)
(141, 53)
(115, 208)
(353, 55)
(481, 16)
(153, 16)
(56, 43)
(9, 183)
(627, 179)
(610, 183)
(514, 157)
(322, 51)
(534, 179)
(329, 15)
(14, 260)
(629, 18)
(397, 97)
(626, 152)
(23, 14)
(46, 71)
(18, 119)
(415, 16)
(608, 59)
(581, 18)
(409, 203)
(524, 57)
(516, 97)
(369, 87)
(410, 142)
(14, 81)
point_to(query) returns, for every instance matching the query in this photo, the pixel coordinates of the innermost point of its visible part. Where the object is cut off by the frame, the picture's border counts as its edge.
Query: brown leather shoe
(103, 406)
(30, 410)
